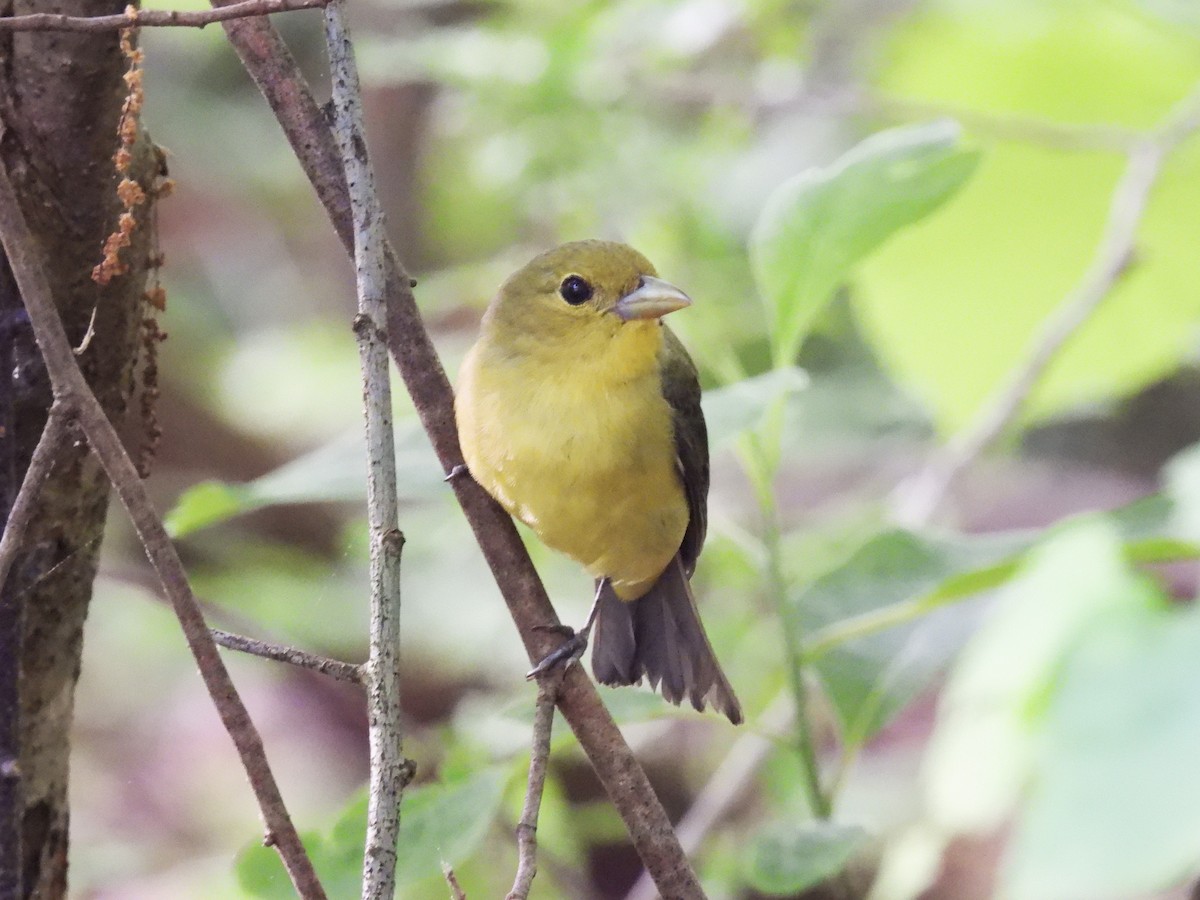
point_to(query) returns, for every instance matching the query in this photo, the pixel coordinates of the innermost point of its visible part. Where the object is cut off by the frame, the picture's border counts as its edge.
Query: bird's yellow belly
(595, 476)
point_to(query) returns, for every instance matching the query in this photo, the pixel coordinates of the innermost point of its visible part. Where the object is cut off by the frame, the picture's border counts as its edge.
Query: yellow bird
(579, 412)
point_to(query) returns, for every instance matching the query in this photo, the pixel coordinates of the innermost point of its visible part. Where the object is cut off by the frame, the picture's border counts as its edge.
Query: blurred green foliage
(876, 206)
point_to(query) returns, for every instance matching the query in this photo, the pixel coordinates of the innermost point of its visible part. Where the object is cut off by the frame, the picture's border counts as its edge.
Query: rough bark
(60, 101)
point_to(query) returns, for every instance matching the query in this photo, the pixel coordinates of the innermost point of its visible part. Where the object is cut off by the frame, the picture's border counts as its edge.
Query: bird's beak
(651, 299)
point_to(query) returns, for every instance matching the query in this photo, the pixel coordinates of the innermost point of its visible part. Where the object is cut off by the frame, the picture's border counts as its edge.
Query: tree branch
(539, 758)
(390, 771)
(919, 498)
(728, 782)
(1068, 137)
(856, 100)
(76, 398)
(302, 659)
(40, 465)
(618, 770)
(154, 18)
(456, 891)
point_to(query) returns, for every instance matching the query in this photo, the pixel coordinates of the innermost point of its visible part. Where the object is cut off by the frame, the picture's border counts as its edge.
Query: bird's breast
(587, 462)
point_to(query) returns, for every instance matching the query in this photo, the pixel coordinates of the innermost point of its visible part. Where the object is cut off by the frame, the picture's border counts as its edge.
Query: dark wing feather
(681, 388)
(659, 635)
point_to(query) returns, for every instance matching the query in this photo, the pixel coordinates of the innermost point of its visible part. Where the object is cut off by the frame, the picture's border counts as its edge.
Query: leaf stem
(761, 472)
(964, 587)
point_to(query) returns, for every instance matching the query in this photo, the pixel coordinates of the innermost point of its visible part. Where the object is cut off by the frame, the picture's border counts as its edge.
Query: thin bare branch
(856, 100)
(76, 398)
(154, 18)
(456, 891)
(1070, 137)
(918, 499)
(274, 650)
(617, 769)
(334, 668)
(390, 771)
(40, 465)
(539, 759)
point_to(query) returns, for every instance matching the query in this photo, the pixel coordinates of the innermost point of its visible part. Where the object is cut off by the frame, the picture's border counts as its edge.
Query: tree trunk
(60, 100)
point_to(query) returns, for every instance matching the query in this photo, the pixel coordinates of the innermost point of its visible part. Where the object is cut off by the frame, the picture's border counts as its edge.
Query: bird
(578, 410)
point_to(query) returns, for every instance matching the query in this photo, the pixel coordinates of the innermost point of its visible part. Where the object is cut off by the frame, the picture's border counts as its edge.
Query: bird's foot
(457, 472)
(576, 641)
(567, 653)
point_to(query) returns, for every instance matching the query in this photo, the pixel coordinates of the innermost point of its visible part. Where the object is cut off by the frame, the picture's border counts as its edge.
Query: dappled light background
(500, 128)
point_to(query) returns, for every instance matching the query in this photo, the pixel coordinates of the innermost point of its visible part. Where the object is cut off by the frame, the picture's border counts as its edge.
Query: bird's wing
(681, 388)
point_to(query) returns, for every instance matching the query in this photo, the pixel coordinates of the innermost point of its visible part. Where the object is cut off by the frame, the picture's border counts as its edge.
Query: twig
(732, 778)
(617, 769)
(334, 668)
(266, 649)
(806, 736)
(40, 465)
(88, 335)
(919, 498)
(1073, 137)
(539, 758)
(12, 635)
(154, 18)
(390, 771)
(76, 398)
(847, 100)
(456, 891)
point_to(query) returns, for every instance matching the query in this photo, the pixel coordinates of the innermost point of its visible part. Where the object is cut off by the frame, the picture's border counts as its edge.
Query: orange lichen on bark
(129, 192)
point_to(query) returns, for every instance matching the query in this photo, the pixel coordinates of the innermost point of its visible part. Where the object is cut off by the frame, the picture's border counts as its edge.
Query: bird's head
(583, 291)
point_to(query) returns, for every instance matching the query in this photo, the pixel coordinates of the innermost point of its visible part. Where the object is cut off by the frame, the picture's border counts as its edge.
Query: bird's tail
(660, 636)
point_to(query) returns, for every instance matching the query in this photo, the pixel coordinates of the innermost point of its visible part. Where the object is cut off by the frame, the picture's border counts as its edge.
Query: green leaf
(206, 504)
(953, 304)
(261, 874)
(980, 756)
(334, 472)
(817, 225)
(446, 822)
(1074, 708)
(876, 626)
(1119, 742)
(790, 857)
(731, 410)
(869, 678)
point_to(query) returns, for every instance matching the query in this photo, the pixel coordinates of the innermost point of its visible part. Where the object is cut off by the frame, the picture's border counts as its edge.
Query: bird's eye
(575, 290)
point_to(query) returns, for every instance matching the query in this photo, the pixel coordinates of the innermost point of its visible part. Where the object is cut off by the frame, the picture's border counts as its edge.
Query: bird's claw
(567, 653)
(457, 472)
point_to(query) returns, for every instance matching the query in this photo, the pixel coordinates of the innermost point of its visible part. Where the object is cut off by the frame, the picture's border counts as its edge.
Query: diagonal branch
(71, 391)
(729, 782)
(919, 498)
(154, 18)
(419, 365)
